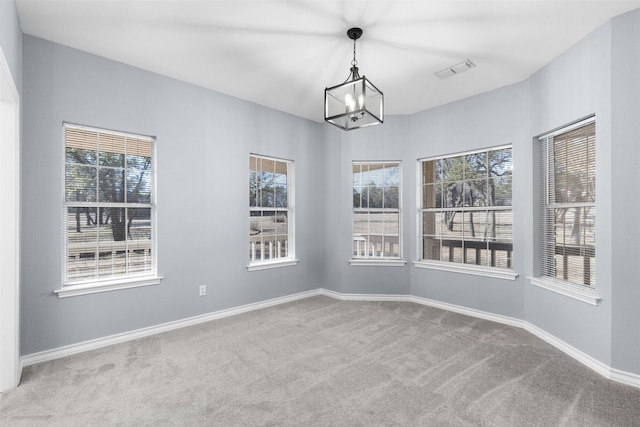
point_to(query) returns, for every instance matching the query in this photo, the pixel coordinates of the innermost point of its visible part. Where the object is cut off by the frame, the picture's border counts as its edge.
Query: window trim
(290, 259)
(477, 270)
(125, 281)
(377, 262)
(382, 261)
(99, 286)
(580, 292)
(455, 267)
(266, 265)
(571, 290)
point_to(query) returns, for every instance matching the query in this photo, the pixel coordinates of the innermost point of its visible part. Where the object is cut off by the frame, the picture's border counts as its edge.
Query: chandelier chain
(354, 62)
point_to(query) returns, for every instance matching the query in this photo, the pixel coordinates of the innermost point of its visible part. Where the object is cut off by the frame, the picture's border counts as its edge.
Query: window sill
(106, 286)
(377, 262)
(581, 293)
(495, 272)
(265, 265)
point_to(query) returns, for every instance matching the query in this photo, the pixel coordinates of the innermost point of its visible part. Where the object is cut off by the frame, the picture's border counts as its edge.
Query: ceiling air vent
(455, 69)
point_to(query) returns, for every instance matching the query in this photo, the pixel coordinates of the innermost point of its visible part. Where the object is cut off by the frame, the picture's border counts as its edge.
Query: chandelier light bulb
(349, 102)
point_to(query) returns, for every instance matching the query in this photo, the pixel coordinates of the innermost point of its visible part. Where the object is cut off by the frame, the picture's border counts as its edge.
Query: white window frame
(369, 259)
(276, 262)
(120, 281)
(580, 292)
(456, 267)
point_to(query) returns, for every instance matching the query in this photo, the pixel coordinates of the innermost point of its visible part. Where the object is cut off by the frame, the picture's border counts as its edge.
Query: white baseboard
(363, 297)
(594, 364)
(69, 350)
(625, 377)
(470, 312)
(579, 355)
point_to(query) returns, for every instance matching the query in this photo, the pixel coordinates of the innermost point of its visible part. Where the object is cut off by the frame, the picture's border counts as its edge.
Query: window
(569, 197)
(376, 211)
(109, 209)
(271, 215)
(465, 211)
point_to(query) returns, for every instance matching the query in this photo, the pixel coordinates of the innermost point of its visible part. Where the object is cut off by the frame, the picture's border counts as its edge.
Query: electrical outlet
(203, 290)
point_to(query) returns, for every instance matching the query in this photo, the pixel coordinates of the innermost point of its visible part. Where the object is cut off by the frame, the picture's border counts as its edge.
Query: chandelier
(356, 103)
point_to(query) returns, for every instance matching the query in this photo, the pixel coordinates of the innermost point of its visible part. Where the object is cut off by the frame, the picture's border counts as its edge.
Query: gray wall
(491, 119)
(203, 144)
(202, 140)
(575, 85)
(379, 143)
(625, 158)
(11, 39)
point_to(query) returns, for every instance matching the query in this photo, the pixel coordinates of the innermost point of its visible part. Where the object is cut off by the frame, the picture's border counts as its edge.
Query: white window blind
(108, 209)
(376, 210)
(270, 210)
(569, 202)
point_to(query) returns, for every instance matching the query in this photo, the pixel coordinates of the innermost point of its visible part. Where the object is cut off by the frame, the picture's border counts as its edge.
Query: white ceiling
(283, 53)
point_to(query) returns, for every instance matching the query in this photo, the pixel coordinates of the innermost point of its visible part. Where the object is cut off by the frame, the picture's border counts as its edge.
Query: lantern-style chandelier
(356, 103)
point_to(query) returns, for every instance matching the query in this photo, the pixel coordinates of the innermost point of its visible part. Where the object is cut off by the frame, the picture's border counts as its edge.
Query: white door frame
(10, 367)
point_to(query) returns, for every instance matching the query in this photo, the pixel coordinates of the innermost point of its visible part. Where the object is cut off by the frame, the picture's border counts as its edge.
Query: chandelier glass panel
(355, 103)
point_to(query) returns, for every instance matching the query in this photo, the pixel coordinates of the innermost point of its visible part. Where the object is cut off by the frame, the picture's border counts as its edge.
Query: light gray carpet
(323, 362)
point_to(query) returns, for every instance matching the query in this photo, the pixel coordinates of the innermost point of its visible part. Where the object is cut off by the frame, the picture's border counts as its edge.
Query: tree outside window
(569, 204)
(108, 206)
(270, 210)
(466, 214)
(376, 210)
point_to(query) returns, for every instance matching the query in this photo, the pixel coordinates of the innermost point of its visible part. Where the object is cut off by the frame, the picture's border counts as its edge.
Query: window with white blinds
(376, 210)
(271, 214)
(109, 209)
(465, 212)
(569, 202)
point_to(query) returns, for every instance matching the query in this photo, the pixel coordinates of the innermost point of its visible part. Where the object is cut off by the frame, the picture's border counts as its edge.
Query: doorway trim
(10, 367)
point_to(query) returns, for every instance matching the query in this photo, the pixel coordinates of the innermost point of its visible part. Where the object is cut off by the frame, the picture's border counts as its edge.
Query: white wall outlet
(203, 290)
